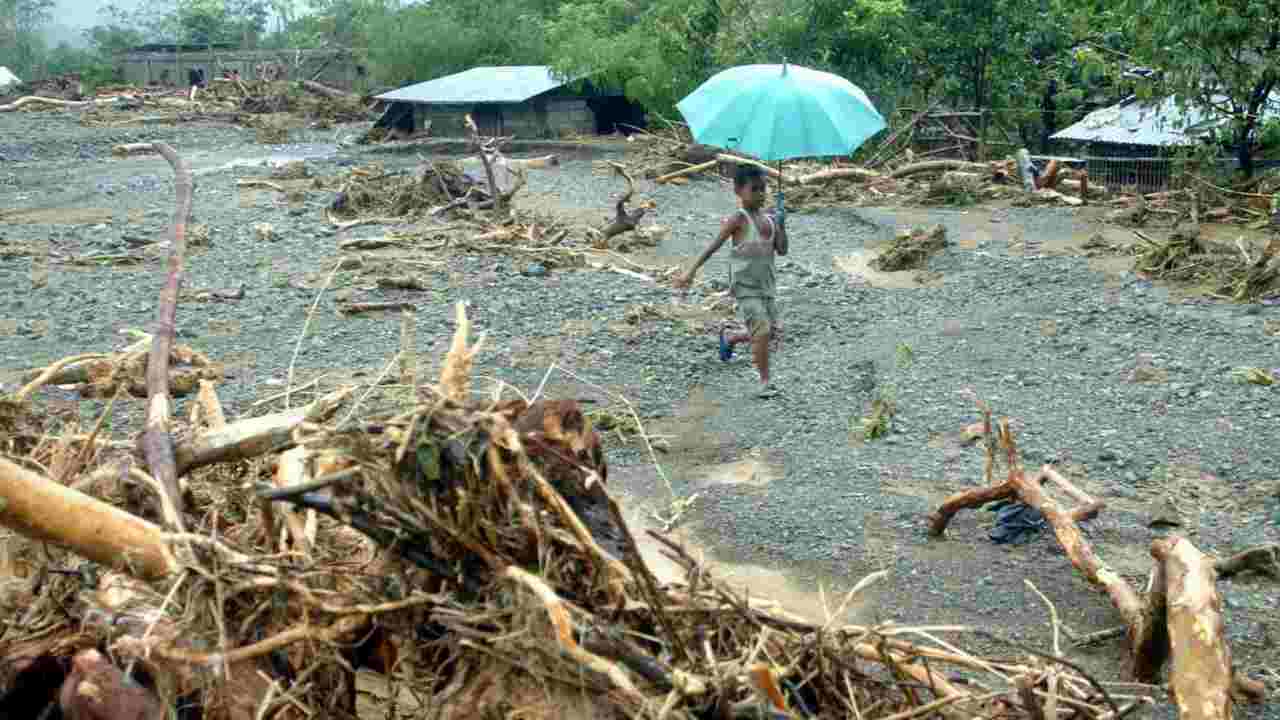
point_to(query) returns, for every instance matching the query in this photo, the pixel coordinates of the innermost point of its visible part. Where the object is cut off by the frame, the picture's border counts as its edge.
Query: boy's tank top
(751, 263)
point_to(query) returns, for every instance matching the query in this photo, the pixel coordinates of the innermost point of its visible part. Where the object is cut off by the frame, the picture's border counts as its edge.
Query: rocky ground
(786, 494)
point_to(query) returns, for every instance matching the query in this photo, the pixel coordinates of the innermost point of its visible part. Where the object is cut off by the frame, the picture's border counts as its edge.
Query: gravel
(1049, 342)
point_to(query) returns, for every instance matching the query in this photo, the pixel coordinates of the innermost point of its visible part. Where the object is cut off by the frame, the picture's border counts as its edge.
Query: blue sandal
(726, 350)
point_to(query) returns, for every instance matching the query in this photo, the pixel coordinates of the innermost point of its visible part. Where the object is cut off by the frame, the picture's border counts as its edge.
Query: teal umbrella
(779, 112)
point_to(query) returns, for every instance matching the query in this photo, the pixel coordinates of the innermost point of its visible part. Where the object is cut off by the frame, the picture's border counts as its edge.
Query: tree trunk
(1200, 676)
(1244, 153)
(1048, 115)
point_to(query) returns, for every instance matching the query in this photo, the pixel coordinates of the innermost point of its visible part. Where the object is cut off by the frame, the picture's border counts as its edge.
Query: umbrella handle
(778, 196)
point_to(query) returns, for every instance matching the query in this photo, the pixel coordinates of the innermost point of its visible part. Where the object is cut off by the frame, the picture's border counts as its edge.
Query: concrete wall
(538, 118)
(171, 68)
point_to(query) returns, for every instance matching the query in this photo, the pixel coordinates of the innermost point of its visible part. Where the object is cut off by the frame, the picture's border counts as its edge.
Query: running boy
(757, 238)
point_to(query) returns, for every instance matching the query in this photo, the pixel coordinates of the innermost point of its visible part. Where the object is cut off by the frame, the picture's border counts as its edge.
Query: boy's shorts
(759, 314)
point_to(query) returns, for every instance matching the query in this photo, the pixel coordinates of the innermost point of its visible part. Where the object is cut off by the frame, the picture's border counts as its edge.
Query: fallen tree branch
(1200, 673)
(940, 166)
(683, 172)
(1147, 641)
(1264, 559)
(858, 174)
(245, 439)
(325, 91)
(623, 220)
(44, 510)
(37, 100)
(563, 626)
(133, 149)
(50, 374)
(156, 441)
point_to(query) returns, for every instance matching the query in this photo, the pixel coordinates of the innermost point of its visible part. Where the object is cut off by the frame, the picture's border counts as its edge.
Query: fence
(1140, 174)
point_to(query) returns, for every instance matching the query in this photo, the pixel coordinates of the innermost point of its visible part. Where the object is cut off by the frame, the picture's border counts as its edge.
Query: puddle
(751, 472)
(765, 586)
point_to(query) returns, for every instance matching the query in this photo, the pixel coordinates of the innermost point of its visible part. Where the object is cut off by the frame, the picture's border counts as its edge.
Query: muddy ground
(787, 495)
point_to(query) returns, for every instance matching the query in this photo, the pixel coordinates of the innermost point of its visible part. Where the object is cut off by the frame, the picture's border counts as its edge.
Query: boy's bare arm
(727, 227)
(781, 242)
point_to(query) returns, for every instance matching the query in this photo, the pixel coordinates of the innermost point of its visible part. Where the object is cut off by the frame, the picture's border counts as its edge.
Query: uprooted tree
(1179, 618)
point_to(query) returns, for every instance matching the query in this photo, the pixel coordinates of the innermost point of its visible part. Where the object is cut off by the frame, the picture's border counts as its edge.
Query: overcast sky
(72, 16)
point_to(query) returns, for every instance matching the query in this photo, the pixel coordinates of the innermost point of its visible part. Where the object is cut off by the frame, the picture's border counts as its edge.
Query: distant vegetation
(1035, 65)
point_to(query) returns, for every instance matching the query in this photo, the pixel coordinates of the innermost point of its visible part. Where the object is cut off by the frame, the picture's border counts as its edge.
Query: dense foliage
(1033, 66)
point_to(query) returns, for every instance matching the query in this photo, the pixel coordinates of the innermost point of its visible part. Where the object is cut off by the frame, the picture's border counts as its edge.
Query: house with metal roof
(1147, 126)
(528, 101)
(7, 79)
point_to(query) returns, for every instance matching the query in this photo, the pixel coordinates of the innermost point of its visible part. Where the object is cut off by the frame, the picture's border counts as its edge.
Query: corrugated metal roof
(507, 84)
(1160, 123)
(7, 78)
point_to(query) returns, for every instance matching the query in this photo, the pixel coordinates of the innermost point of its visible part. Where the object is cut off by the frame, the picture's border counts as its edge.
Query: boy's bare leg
(760, 351)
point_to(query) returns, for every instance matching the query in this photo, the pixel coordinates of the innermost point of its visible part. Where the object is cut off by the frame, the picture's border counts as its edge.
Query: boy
(757, 238)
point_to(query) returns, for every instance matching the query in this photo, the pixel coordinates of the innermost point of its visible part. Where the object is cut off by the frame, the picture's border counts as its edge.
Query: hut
(529, 101)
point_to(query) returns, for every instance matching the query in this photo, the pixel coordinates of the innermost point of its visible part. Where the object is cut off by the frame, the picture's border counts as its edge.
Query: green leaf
(429, 460)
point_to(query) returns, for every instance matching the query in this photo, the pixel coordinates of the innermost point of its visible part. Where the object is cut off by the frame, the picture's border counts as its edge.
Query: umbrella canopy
(778, 112)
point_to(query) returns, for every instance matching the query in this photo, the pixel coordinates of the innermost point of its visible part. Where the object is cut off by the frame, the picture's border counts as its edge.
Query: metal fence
(1140, 174)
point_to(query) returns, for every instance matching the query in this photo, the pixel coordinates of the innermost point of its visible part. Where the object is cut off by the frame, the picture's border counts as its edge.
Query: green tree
(1222, 57)
(425, 41)
(21, 46)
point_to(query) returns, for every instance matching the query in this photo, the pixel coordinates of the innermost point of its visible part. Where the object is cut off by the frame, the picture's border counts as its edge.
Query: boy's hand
(682, 280)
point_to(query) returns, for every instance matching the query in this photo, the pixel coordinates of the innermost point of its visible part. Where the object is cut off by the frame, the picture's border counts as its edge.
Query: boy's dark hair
(745, 174)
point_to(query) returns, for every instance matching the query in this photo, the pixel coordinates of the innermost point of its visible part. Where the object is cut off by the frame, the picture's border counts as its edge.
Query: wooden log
(771, 172)
(857, 174)
(326, 91)
(133, 149)
(1148, 647)
(253, 437)
(1264, 559)
(1082, 185)
(534, 163)
(38, 100)
(1200, 674)
(1049, 178)
(940, 166)
(41, 509)
(682, 172)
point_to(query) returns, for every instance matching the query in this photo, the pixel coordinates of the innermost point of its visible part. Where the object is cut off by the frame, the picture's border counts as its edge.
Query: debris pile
(669, 158)
(911, 249)
(465, 550)
(1237, 274)
(222, 99)
(1177, 620)
(372, 191)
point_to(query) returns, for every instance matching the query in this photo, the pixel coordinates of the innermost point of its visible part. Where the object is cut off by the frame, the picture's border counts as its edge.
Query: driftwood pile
(1238, 274)
(911, 249)
(466, 549)
(670, 157)
(269, 105)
